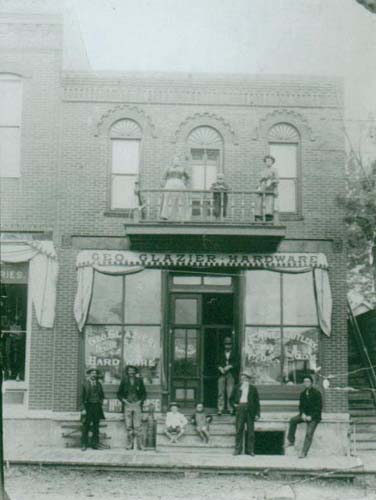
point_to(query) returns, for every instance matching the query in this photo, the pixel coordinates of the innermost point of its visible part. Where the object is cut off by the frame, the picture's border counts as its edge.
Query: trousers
(311, 427)
(132, 420)
(225, 388)
(244, 418)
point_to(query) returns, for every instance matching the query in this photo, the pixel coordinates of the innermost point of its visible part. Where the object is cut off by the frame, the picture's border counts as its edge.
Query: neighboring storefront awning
(123, 262)
(43, 270)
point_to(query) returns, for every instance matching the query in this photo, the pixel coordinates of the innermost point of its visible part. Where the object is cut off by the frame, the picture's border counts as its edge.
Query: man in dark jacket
(246, 400)
(227, 367)
(92, 397)
(132, 394)
(310, 406)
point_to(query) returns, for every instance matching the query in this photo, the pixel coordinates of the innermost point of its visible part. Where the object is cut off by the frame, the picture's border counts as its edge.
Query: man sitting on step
(310, 406)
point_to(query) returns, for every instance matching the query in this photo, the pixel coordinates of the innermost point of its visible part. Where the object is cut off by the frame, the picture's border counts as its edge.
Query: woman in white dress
(175, 204)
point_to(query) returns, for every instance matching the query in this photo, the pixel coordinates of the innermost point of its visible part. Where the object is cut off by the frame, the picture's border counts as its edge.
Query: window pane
(106, 302)
(263, 297)
(13, 326)
(197, 154)
(123, 195)
(211, 176)
(10, 152)
(10, 102)
(186, 311)
(103, 351)
(142, 349)
(187, 280)
(198, 177)
(300, 353)
(212, 154)
(299, 306)
(287, 195)
(262, 354)
(185, 353)
(125, 156)
(143, 297)
(285, 159)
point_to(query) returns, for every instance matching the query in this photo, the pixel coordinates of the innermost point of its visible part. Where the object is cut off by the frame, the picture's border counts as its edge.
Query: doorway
(199, 323)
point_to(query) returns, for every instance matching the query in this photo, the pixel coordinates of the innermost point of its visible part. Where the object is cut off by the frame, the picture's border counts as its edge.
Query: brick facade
(64, 180)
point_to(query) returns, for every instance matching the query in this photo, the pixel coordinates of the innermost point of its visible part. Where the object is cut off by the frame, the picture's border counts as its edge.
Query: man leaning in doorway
(227, 367)
(310, 407)
(245, 398)
(132, 394)
(92, 397)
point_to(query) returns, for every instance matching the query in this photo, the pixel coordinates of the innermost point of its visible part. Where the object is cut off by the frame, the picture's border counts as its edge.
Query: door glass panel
(287, 195)
(185, 353)
(179, 353)
(191, 352)
(285, 158)
(186, 311)
(262, 354)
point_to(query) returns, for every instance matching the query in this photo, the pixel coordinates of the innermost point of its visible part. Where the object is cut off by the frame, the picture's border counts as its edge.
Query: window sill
(290, 217)
(14, 385)
(127, 213)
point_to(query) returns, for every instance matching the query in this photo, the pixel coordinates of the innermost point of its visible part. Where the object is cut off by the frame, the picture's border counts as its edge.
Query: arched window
(206, 150)
(284, 142)
(10, 125)
(125, 163)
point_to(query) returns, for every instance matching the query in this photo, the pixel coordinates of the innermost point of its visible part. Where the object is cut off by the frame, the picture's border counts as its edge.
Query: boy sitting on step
(175, 423)
(201, 421)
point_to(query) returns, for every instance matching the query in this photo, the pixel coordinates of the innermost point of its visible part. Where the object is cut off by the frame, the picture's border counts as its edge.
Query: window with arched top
(206, 151)
(125, 138)
(10, 125)
(284, 143)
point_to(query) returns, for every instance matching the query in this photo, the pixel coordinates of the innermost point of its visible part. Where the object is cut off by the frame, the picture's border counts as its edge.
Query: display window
(282, 333)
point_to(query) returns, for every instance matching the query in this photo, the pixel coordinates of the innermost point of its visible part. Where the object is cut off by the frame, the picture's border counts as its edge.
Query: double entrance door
(199, 323)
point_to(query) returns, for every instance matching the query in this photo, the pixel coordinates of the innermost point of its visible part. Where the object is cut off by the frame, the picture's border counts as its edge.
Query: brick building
(82, 190)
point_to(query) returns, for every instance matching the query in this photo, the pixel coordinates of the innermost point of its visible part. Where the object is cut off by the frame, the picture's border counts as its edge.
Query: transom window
(125, 163)
(284, 142)
(10, 125)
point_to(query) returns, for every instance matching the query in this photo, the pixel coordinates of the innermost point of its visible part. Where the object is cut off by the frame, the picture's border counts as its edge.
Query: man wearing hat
(310, 407)
(227, 367)
(246, 400)
(132, 394)
(92, 397)
(268, 191)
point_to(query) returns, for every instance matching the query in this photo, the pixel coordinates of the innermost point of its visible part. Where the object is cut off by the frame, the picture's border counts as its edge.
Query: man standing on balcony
(227, 367)
(132, 394)
(268, 191)
(310, 406)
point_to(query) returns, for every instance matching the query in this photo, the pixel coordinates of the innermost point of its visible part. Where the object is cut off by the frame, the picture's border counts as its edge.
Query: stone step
(214, 431)
(202, 450)
(366, 445)
(363, 413)
(361, 428)
(364, 436)
(189, 440)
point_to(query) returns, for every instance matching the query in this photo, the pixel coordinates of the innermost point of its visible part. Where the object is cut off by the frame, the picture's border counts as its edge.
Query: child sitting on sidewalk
(201, 421)
(175, 423)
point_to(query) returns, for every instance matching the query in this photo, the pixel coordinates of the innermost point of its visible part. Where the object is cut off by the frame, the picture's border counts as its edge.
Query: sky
(305, 37)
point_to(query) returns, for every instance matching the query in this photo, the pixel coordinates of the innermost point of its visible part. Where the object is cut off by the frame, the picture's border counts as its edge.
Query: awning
(123, 262)
(43, 270)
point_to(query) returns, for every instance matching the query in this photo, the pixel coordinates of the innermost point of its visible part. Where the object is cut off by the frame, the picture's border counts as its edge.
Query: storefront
(168, 314)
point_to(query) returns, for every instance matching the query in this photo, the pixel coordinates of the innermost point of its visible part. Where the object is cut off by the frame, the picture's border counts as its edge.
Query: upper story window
(206, 150)
(125, 163)
(284, 141)
(10, 125)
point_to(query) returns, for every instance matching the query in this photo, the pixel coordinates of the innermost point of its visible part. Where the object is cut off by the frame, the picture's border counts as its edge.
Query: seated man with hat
(246, 400)
(175, 423)
(92, 397)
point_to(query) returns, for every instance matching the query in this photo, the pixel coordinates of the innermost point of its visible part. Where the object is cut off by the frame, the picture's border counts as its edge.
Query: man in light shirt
(175, 423)
(246, 400)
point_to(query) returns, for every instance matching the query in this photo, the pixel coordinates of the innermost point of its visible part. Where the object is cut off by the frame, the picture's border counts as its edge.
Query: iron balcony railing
(214, 207)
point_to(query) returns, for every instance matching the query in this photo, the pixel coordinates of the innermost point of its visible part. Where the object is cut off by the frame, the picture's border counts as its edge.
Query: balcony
(210, 220)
